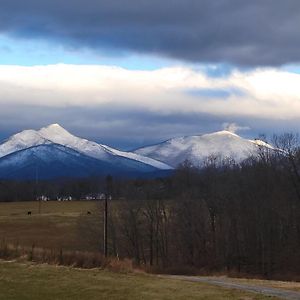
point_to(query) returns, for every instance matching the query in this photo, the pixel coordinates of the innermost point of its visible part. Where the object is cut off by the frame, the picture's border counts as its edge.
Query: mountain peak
(54, 126)
(56, 134)
(223, 132)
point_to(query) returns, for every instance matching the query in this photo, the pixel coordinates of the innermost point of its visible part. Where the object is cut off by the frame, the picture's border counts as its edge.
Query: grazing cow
(29, 213)
(88, 213)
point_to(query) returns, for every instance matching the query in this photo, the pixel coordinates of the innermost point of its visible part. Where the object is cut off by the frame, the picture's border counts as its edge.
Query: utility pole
(105, 226)
(36, 187)
(107, 196)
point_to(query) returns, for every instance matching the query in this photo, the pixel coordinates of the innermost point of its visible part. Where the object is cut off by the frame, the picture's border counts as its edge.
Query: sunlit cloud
(266, 93)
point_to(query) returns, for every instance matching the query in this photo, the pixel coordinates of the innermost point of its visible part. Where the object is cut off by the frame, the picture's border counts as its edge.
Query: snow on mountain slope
(59, 135)
(22, 140)
(46, 152)
(54, 161)
(134, 156)
(197, 148)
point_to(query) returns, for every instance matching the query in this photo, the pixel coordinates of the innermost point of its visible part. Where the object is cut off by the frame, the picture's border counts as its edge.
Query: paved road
(268, 291)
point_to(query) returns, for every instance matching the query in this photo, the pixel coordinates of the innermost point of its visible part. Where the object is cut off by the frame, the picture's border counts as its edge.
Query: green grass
(34, 282)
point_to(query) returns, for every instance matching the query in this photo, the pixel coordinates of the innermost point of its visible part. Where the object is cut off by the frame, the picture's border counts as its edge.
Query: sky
(129, 73)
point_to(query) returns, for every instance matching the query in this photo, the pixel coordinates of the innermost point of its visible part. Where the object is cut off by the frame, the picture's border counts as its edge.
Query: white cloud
(233, 127)
(265, 93)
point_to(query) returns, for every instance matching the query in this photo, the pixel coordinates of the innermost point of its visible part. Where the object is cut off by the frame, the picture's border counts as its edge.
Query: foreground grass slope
(34, 282)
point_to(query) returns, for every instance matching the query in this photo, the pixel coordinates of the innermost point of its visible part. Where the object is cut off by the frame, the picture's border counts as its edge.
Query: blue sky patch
(215, 93)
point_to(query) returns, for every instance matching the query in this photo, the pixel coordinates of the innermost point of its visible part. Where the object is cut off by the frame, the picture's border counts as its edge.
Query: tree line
(223, 216)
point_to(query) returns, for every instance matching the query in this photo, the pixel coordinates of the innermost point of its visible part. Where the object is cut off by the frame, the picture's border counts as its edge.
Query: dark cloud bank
(134, 128)
(256, 32)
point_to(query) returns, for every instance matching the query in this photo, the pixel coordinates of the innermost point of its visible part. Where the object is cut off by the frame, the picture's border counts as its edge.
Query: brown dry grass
(78, 259)
(56, 227)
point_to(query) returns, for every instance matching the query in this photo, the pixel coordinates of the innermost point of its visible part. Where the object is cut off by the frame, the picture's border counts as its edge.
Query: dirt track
(227, 283)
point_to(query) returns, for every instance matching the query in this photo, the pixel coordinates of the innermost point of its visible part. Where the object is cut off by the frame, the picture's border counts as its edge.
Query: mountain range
(53, 152)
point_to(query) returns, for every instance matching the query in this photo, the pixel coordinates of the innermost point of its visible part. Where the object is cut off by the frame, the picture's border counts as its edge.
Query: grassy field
(18, 209)
(35, 282)
(55, 227)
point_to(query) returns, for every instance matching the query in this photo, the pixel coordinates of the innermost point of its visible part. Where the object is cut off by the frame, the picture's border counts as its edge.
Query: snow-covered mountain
(48, 161)
(197, 148)
(56, 134)
(22, 140)
(59, 135)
